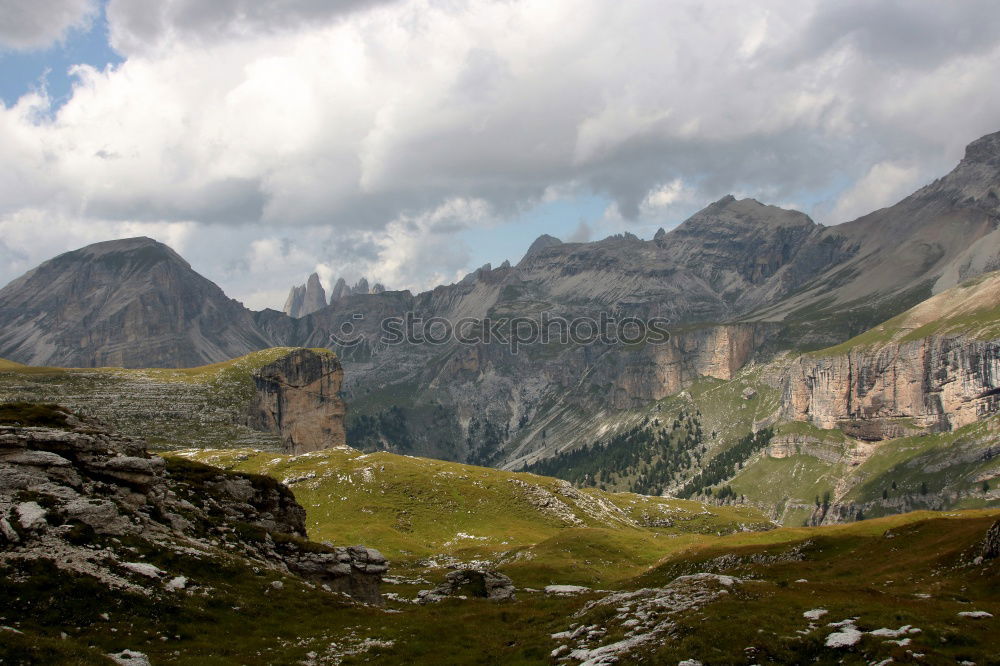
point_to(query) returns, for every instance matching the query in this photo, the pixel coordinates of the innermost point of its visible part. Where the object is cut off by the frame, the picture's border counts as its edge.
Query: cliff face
(298, 397)
(931, 384)
(656, 371)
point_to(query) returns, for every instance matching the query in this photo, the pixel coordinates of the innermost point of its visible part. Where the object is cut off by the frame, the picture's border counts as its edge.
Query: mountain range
(740, 282)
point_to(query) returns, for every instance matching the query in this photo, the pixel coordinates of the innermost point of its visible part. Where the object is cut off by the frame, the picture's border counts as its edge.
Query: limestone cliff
(298, 397)
(933, 384)
(935, 367)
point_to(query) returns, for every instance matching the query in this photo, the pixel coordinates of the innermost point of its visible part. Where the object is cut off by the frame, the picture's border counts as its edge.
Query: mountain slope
(892, 258)
(129, 303)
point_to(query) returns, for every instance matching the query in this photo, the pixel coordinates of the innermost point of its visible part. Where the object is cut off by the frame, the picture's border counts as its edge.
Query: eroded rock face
(298, 397)
(68, 489)
(933, 384)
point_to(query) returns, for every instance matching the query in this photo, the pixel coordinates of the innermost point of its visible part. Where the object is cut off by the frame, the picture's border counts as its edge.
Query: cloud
(883, 185)
(339, 135)
(145, 26)
(37, 24)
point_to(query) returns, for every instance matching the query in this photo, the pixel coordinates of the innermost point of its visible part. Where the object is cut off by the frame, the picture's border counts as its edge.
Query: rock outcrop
(991, 542)
(298, 397)
(67, 482)
(479, 583)
(295, 301)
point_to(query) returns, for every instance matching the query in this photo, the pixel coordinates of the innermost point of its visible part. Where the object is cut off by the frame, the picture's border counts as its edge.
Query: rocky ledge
(81, 497)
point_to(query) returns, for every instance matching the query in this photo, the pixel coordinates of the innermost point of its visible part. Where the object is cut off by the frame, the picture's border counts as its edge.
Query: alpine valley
(808, 470)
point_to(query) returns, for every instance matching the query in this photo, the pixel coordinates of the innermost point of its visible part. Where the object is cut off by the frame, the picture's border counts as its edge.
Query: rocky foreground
(88, 501)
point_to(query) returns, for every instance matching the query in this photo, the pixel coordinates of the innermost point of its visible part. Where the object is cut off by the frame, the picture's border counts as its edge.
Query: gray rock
(35, 459)
(991, 542)
(102, 515)
(8, 532)
(480, 583)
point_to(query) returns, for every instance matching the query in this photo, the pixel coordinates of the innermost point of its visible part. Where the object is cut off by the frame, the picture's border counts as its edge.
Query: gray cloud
(139, 25)
(366, 139)
(227, 201)
(33, 24)
(900, 33)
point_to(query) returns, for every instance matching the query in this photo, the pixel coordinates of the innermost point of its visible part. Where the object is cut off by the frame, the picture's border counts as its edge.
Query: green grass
(852, 571)
(29, 414)
(796, 480)
(415, 509)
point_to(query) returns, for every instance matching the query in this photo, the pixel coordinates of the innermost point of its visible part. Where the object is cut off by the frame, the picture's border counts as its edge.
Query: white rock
(130, 658)
(815, 613)
(976, 615)
(846, 637)
(565, 590)
(277, 585)
(689, 662)
(30, 515)
(895, 633)
(143, 569)
(176, 583)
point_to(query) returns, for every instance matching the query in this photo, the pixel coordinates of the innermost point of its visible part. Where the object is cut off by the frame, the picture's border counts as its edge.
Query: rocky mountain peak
(135, 301)
(744, 215)
(123, 253)
(984, 150)
(305, 299)
(315, 294)
(541, 243)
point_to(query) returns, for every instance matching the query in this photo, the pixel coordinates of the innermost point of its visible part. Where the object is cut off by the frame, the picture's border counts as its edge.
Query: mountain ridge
(738, 281)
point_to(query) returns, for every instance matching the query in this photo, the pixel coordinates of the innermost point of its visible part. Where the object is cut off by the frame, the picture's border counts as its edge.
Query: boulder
(480, 583)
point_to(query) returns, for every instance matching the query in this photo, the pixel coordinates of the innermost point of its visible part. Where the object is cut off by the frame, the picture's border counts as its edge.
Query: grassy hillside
(426, 513)
(941, 471)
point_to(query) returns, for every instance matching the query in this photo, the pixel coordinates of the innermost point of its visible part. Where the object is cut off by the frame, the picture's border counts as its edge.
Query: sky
(411, 141)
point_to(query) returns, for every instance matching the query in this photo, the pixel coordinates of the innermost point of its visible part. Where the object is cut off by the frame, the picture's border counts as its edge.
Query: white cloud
(36, 24)
(883, 185)
(349, 137)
